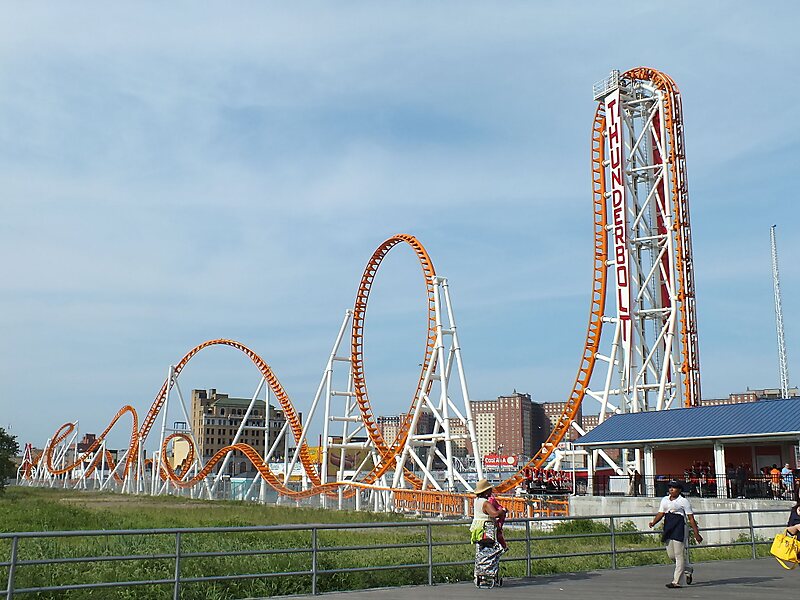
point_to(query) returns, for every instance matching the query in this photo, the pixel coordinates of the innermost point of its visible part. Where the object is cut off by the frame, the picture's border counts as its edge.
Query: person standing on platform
(775, 482)
(730, 480)
(788, 481)
(675, 510)
(741, 481)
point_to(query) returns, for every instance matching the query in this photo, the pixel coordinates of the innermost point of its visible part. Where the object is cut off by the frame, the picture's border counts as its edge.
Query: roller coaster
(640, 352)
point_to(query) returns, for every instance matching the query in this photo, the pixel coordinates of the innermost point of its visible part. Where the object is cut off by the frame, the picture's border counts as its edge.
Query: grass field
(44, 509)
(35, 509)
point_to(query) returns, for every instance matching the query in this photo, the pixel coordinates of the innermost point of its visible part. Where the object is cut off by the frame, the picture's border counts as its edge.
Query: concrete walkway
(740, 579)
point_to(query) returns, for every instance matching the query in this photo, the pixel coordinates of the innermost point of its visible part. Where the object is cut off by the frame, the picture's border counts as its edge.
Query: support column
(590, 462)
(719, 469)
(649, 472)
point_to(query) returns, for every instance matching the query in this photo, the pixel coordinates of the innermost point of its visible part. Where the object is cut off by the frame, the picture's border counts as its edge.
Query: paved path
(740, 579)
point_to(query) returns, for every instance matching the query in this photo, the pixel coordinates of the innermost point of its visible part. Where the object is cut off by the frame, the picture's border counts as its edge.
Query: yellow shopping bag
(785, 549)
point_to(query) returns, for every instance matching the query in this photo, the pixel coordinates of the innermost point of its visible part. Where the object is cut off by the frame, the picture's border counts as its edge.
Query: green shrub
(580, 526)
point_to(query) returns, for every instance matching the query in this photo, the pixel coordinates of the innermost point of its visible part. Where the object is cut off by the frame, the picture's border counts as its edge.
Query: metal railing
(740, 527)
(700, 486)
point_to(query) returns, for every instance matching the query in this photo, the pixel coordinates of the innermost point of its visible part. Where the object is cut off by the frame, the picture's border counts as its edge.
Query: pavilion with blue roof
(758, 433)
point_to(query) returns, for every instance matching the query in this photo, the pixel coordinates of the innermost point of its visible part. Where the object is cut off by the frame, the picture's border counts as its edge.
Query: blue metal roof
(751, 419)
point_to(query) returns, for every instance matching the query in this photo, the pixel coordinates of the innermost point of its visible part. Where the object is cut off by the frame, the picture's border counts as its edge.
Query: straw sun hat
(482, 486)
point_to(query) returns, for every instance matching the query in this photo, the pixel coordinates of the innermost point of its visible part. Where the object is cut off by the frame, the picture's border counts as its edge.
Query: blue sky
(172, 175)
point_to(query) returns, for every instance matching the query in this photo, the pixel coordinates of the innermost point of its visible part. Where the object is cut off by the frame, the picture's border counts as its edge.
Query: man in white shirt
(675, 509)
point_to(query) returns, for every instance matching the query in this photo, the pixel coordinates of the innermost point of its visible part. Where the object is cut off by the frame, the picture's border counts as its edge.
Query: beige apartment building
(553, 412)
(217, 417)
(389, 426)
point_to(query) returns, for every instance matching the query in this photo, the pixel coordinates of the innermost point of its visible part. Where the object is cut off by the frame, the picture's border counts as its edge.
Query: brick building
(749, 396)
(590, 422)
(514, 424)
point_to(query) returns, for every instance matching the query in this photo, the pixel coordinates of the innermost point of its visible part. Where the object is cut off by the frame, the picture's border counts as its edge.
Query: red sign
(499, 460)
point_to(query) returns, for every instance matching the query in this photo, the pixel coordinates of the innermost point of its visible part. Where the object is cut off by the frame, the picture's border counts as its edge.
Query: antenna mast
(784, 369)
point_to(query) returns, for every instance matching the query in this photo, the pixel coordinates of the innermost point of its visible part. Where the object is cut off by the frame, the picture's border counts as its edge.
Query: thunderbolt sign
(618, 210)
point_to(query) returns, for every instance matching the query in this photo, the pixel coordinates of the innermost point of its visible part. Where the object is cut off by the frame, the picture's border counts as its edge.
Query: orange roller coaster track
(387, 453)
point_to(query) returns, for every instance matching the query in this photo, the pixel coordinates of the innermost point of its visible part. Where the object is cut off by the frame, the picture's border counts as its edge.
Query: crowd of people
(741, 481)
(545, 481)
(769, 481)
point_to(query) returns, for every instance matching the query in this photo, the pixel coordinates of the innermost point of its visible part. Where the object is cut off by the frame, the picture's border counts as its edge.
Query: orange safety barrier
(451, 504)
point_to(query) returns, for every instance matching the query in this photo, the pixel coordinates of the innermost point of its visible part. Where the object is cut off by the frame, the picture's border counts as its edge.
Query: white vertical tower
(641, 349)
(776, 285)
(643, 358)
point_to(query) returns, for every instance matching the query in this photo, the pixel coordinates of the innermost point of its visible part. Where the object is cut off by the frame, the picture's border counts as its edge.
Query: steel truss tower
(644, 359)
(776, 285)
(641, 350)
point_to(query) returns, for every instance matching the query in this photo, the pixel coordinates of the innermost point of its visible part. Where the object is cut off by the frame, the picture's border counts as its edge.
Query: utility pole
(776, 284)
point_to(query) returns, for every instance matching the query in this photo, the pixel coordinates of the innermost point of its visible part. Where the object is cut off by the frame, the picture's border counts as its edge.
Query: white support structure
(639, 369)
(720, 471)
(326, 387)
(198, 462)
(60, 457)
(27, 463)
(349, 451)
(43, 474)
(121, 457)
(158, 487)
(424, 448)
(347, 455)
(783, 366)
(649, 472)
(157, 464)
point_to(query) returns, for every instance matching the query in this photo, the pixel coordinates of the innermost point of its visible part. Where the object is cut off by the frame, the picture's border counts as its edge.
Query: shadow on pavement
(734, 581)
(547, 579)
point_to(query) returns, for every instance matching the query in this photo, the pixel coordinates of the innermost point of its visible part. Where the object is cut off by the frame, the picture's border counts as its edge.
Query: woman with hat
(675, 510)
(483, 533)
